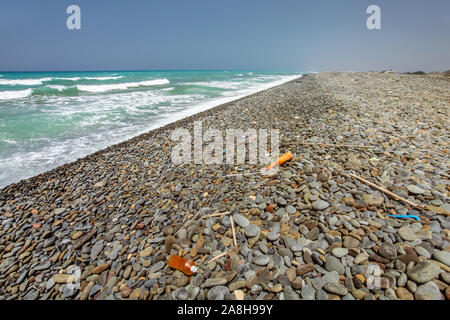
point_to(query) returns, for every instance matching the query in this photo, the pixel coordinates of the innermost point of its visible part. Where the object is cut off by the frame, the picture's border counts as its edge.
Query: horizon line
(137, 70)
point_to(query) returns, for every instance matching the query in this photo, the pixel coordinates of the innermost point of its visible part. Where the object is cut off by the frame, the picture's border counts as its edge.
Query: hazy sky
(277, 35)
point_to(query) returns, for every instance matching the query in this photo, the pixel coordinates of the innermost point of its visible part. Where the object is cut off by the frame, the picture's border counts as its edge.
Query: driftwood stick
(216, 215)
(217, 257)
(334, 145)
(184, 226)
(393, 195)
(234, 232)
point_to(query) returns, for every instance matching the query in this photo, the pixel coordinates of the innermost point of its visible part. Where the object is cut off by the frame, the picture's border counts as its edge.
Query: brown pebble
(304, 269)
(404, 294)
(296, 284)
(140, 226)
(100, 269)
(169, 242)
(125, 292)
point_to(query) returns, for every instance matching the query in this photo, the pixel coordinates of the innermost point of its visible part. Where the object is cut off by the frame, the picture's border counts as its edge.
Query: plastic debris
(284, 158)
(188, 267)
(405, 216)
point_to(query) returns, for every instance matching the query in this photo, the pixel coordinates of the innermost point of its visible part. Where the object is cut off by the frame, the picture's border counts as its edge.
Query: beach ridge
(312, 231)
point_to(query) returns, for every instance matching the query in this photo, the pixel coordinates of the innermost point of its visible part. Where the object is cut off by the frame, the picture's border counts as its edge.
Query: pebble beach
(103, 227)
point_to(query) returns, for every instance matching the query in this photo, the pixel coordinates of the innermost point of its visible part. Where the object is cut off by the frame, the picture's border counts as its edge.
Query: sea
(48, 119)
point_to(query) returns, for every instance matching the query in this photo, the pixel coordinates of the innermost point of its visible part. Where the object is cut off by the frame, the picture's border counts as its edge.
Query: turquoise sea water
(51, 118)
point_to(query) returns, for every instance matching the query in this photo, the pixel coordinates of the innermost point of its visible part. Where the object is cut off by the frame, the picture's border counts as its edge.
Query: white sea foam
(9, 95)
(102, 78)
(9, 141)
(72, 79)
(196, 108)
(57, 87)
(218, 84)
(102, 87)
(89, 78)
(236, 84)
(156, 82)
(121, 86)
(23, 82)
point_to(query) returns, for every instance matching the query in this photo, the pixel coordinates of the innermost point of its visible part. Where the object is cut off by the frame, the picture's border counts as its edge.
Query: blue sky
(281, 35)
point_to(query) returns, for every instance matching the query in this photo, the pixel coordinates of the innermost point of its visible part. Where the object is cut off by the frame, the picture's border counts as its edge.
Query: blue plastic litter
(405, 216)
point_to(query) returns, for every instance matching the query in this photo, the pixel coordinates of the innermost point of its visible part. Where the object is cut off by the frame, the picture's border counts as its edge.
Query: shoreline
(182, 115)
(310, 232)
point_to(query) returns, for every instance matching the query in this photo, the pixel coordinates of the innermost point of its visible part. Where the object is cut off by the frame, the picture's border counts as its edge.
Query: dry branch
(216, 215)
(334, 145)
(234, 232)
(393, 195)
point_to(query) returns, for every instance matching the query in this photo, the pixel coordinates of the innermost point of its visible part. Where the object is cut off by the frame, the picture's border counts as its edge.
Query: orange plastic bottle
(285, 157)
(182, 264)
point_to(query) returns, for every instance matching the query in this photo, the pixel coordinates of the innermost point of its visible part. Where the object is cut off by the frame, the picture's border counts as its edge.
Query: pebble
(114, 252)
(290, 209)
(320, 205)
(424, 272)
(212, 282)
(404, 294)
(218, 293)
(350, 242)
(69, 291)
(31, 295)
(96, 249)
(157, 267)
(237, 285)
(240, 220)
(273, 236)
(317, 283)
(333, 264)
(146, 252)
(256, 289)
(43, 266)
(411, 285)
(251, 230)
(261, 260)
(181, 293)
(339, 252)
(388, 251)
(331, 277)
(321, 295)
(308, 292)
(335, 288)
(290, 294)
(428, 291)
(363, 256)
(421, 251)
(62, 278)
(442, 256)
(359, 294)
(415, 189)
(401, 282)
(239, 294)
(406, 233)
(313, 234)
